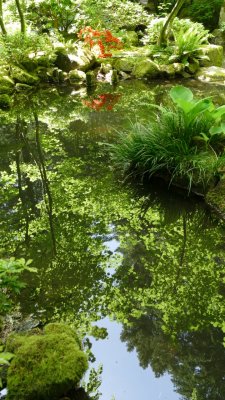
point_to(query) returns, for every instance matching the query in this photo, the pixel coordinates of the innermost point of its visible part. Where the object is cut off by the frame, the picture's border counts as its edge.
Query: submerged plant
(184, 142)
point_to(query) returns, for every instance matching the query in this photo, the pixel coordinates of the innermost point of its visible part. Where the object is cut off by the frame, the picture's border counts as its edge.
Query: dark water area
(138, 268)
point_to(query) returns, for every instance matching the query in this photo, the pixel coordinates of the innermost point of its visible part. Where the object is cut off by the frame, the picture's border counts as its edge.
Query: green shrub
(184, 142)
(65, 17)
(45, 366)
(114, 15)
(22, 50)
(178, 25)
(204, 11)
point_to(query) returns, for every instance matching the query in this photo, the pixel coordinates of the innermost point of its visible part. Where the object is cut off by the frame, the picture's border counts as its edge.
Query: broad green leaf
(178, 93)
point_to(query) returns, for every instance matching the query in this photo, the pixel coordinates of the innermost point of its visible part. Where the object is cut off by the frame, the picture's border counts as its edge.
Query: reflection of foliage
(94, 382)
(195, 360)
(10, 281)
(169, 267)
(106, 100)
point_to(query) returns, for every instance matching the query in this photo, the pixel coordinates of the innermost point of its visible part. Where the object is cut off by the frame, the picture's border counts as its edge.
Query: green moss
(45, 366)
(5, 102)
(21, 76)
(216, 197)
(57, 327)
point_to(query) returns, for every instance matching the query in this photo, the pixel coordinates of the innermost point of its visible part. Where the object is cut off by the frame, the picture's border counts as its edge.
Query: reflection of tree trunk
(45, 182)
(184, 240)
(21, 194)
(2, 25)
(21, 15)
(183, 250)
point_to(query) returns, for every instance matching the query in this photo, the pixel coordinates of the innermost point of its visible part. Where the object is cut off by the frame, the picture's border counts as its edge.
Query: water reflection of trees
(60, 204)
(195, 360)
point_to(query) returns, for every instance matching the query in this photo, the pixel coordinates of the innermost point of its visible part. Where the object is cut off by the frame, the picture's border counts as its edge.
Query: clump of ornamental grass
(184, 142)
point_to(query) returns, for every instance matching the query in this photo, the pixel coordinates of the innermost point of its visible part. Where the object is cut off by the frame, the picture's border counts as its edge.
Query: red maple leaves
(104, 39)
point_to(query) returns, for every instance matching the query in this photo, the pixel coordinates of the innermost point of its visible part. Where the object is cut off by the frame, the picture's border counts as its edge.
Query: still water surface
(142, 262)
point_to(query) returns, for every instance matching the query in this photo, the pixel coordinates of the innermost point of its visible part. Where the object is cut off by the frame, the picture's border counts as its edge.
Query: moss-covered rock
(171, 70)
(213, 55)
(62, 60)
(211, 74)
(76, 76)
(215, 198)
(91, 78)
(125, 64)
(5, 80)
(21, 87)
(45, 366)
(21, 76)
(129, 38)
(218, 37)
(5, 101)
(146, 68)
(59, 328)
(6, 84)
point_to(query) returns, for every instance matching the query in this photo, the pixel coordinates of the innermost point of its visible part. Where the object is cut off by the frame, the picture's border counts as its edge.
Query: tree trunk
(21, 15)
(169, 20)
(222, 14)
(2, 26)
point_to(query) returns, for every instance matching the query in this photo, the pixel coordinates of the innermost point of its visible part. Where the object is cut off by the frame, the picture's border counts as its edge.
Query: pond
(137, 267)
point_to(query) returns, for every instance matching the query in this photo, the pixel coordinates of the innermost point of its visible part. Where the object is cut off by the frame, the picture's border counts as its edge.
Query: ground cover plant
(185, 141)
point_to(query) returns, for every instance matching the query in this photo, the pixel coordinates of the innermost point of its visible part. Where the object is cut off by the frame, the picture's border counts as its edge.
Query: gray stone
(83, 59)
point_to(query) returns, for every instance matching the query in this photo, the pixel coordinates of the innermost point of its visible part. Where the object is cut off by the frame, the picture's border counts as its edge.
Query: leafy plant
(201, 110)
(205, 12)
(165, 7)
(185, 141)
(10, 271)
(5, 358)
(114, 15)
(65, 17)
(18, 48)
(188, 42)
(179, 25)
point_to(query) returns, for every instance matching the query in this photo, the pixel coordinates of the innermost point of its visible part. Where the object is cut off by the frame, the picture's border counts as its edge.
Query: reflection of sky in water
(122, 376)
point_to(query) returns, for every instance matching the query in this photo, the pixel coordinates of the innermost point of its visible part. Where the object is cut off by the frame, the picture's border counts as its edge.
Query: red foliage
(104, 39)
(106, 100)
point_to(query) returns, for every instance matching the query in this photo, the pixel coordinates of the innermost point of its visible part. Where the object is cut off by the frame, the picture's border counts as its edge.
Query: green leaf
(179, 93)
